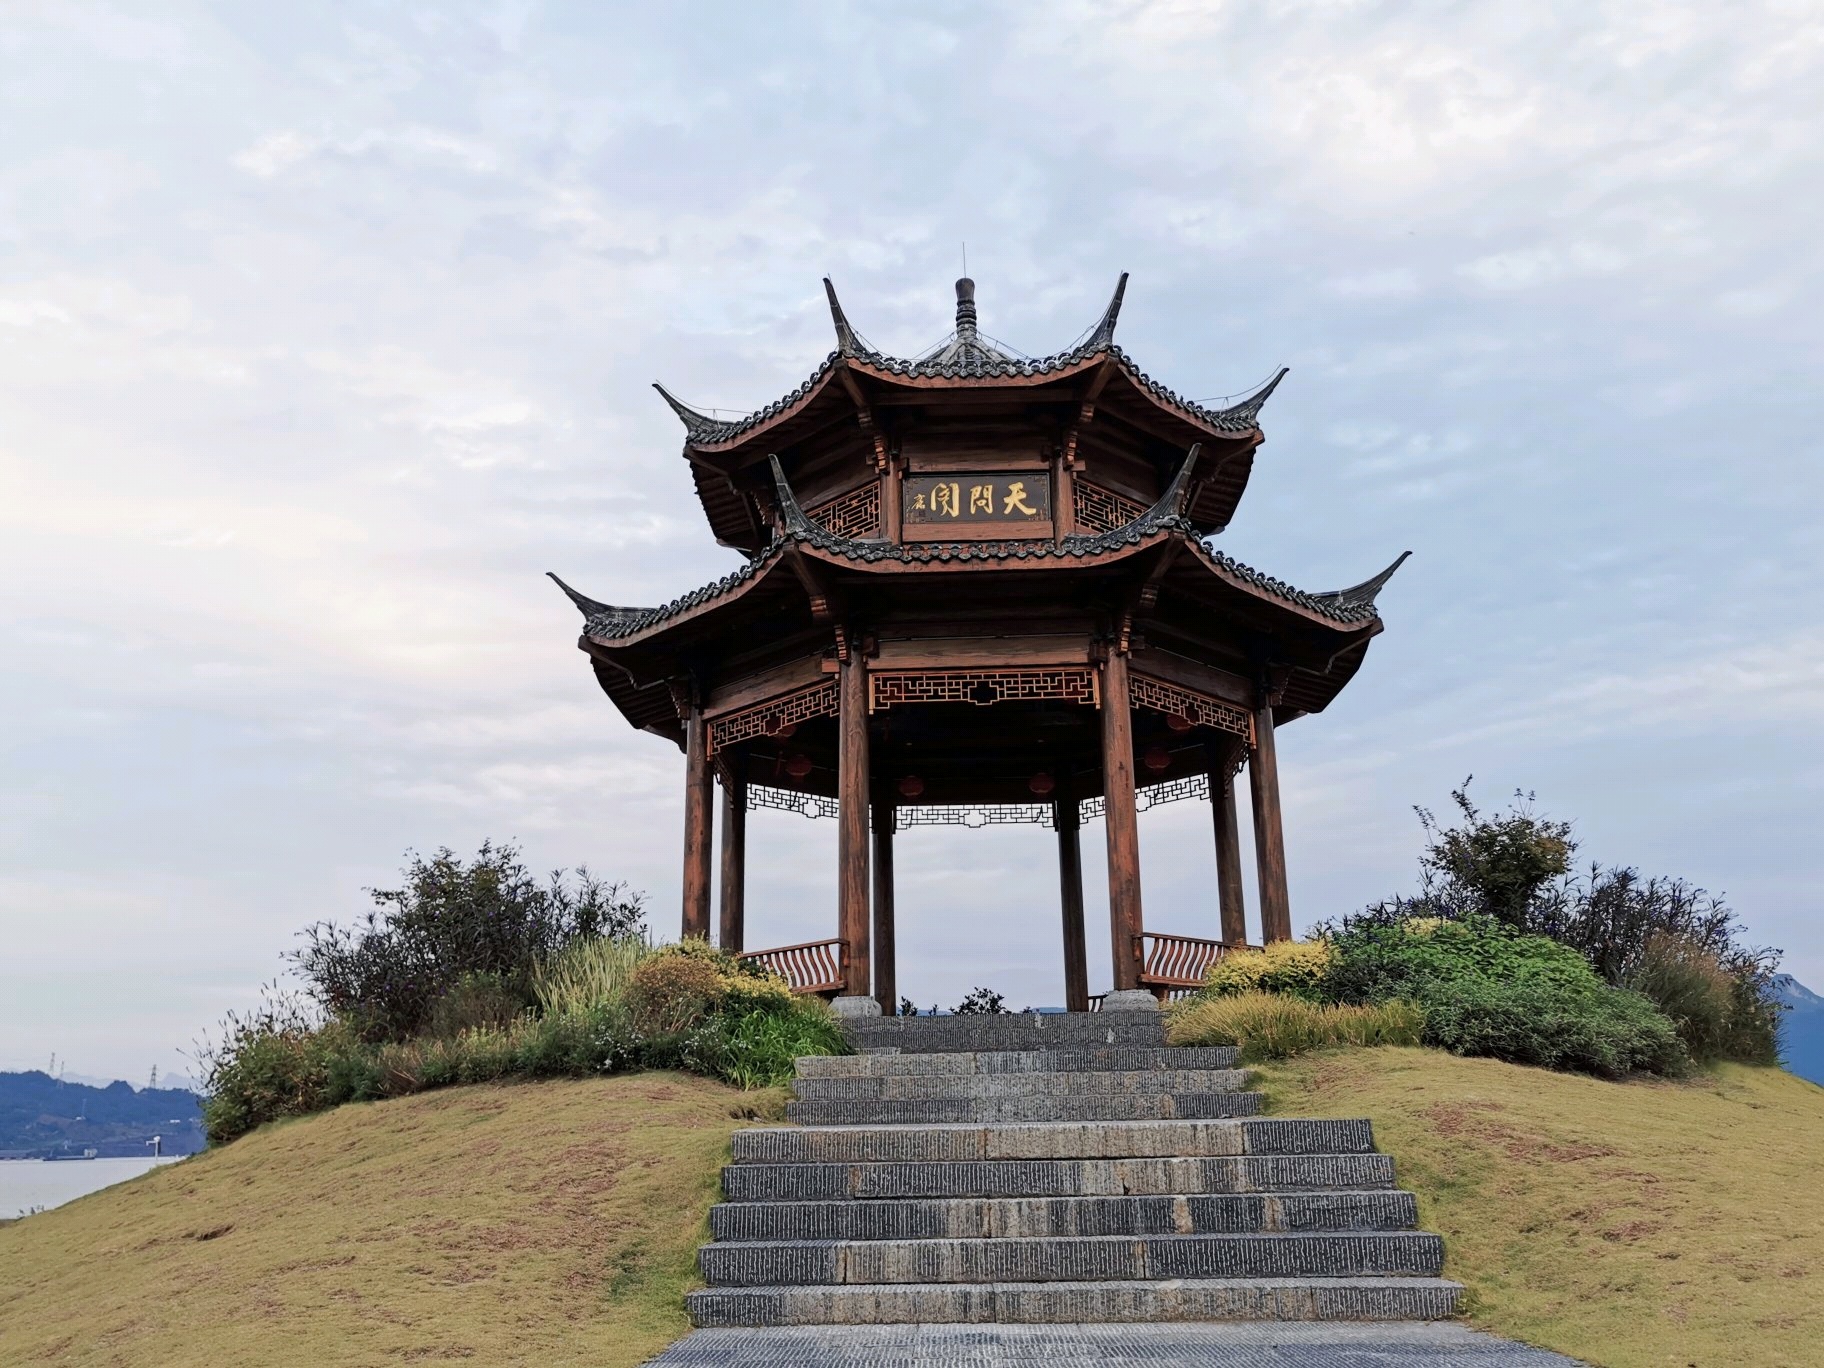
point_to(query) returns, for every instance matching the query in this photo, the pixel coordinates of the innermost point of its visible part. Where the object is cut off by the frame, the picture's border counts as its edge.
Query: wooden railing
(815, 967)
(1174, 965)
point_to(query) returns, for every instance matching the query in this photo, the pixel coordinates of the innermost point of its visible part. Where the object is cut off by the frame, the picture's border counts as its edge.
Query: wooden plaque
(970, 506)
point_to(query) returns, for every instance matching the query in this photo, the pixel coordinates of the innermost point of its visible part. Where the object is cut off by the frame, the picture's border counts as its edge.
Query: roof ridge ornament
(1104, 333)
(791, 512)
(695, 423)
(1363, 595)
(848, 341)
(594, 609)
(1250, 407)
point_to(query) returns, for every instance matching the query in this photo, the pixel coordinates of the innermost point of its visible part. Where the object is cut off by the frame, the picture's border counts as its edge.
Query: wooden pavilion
(978, 588)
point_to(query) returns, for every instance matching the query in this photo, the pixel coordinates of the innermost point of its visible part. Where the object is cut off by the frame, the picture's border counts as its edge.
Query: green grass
(548, 1223)
(1632, 1225)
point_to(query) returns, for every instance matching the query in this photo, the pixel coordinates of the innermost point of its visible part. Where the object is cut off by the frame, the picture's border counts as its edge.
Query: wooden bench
(815, 967)
(1175, 965)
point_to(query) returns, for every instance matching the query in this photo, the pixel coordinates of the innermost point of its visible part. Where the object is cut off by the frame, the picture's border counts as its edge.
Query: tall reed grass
(588, 974)
(1276, 1026)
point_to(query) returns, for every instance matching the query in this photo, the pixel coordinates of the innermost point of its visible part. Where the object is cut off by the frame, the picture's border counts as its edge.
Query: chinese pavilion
(979, 588)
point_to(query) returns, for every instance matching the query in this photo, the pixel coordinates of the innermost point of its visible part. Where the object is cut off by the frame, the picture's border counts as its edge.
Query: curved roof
(967, 355)
(1344, 609)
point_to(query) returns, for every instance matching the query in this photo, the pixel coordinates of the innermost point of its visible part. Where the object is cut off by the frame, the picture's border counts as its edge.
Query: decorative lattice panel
(774, 715)
(973, 815)
(786, 800)
(1153, 795)
(855, 514)
(1102, 510)
(1070, 684)
(1146, 692)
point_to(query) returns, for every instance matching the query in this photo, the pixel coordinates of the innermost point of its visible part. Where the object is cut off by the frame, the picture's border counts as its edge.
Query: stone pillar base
(855, 1007)
(1127, 1000)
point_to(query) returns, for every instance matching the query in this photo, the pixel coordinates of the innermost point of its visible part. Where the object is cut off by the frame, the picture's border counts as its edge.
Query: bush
(759, 1046)
(452, 920)
(1278, 1025)
(982, 1002)
(1719, 1015)
(1487, 989)
(1604, 1031)
(1296, 968)
(674, 988)
(476, 1000)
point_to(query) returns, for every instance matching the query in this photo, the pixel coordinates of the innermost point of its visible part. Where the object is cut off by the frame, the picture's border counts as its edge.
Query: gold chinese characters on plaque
(1012, 503)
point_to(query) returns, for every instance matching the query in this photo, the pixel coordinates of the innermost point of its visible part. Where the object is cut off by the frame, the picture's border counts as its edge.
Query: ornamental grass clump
(1295, 968)
(1279, 1025)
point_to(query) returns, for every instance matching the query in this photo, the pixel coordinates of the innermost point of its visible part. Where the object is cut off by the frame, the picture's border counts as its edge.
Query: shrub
(675, 987)
(1605, 1031)
(1719, 1014)
(476, 1000)
(982, 1002)
(1381, 954)
(486, 916)
(1296, 968)
(264, 1067)
(758, 1046)
(1278, 1025)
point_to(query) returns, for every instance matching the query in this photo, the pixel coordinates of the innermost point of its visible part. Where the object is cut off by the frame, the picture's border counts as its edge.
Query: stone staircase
(1060, 1169)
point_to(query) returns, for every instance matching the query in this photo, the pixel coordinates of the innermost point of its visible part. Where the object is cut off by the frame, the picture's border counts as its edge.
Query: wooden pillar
(1269, 836)
(886, 979)
(699, 781)
(1122, 822)
(734, 862)
(1232, 906)
(852, 820)
(1068, 819)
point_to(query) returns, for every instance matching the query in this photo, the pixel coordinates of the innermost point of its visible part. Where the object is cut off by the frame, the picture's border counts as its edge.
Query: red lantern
(798, 766)
(1156, 758)
(1041, 784)
(911, 786)
(1178, 722)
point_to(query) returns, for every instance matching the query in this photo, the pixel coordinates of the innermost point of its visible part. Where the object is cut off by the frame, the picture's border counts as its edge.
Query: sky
(326, 330)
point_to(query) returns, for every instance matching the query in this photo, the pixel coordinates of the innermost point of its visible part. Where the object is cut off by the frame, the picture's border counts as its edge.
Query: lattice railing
(789, 800)
(973, 815)
(1102, 510)
(1067, 683)
(1153, 795)
(1146, 692)
(773, 716)
(814, 967)
(855, 514)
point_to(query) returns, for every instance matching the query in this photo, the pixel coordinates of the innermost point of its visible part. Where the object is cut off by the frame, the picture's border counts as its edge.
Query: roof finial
(847, 342)
(1105, 330)
(1250, 407)
(1363, 595)
(965, 308)
(695, 424)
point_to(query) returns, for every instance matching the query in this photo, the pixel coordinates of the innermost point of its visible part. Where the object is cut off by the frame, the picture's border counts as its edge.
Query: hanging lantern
(798, 765)
(911, 786)
(1178, 722)
(1156, 758)
(1041, 784)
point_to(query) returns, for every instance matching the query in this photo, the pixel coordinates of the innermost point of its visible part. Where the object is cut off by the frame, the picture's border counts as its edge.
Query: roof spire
(965, 309)
(597, 613)
(1362, 595)
(847, 341)
(1105, 330)
(791, 512)
(695, 424)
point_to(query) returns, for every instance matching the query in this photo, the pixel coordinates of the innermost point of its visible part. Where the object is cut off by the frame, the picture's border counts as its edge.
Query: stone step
(1021, 1031)
(1044, 1083)
(1085, 1140)
(1108, 1058)
(1219, 1299)
(1027, 1107)
(1073, 1258)
(1056, 1177)
(1037, 1217)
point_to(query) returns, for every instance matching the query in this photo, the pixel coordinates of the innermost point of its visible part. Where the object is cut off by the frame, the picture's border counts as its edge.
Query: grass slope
(1632, 1225)
(549, 1223)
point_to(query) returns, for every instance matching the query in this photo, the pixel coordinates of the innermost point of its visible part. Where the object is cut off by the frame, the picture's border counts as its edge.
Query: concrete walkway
(1296, 1345)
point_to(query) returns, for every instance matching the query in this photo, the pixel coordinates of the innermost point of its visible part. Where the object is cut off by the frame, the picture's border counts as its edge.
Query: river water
(32, 1184)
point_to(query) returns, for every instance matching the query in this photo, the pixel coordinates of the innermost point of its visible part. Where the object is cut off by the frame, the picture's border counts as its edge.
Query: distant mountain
(1802, 1030)
(41, 1116)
